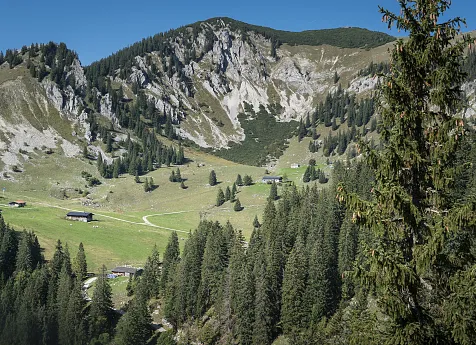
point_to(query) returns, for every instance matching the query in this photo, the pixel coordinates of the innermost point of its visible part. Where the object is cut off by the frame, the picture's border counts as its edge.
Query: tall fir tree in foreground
(421, 254)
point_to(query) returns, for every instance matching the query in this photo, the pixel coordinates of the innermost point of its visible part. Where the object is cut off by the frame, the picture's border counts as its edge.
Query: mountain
(232, 88)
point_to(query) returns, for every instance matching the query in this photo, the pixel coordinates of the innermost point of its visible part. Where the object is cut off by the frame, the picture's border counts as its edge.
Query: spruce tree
(273, 192)
(256, 223)
(64, 291)
(75, 316)
(171, 256)
(212, 179)
(101, 306)
(233, 192)
(24, 259)
(239, 180)
(80, 267)
(220, 198)
(227, 193)
(294, 311)
(413, 219)
(237, 206)
(134, 327)
(307, 175)
(150, 278)
(247, 180)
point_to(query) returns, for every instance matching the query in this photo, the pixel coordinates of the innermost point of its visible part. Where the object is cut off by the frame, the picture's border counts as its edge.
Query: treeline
(289, 276)
(341, 37)
(284, 281)
(338, 108)
(375, 68)
(43, 303)
(140, 159)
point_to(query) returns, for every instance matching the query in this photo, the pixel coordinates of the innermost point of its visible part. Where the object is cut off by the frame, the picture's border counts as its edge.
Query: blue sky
(95, 29)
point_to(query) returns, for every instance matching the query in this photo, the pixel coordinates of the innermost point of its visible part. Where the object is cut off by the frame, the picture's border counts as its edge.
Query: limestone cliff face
(239, 68)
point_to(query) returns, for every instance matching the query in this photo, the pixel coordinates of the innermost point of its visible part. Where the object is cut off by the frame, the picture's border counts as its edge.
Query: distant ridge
(346, 37)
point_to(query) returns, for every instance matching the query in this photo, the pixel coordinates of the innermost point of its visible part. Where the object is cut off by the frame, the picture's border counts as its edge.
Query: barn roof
(130, 270)
(79, 214)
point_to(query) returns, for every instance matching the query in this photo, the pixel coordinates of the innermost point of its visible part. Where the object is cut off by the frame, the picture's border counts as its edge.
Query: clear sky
(97, 28)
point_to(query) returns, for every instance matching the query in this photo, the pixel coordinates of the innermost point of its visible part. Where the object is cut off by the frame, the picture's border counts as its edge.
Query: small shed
(17, 203)
(80, 216)
(295, 165)
(271, 179)
(126, 271)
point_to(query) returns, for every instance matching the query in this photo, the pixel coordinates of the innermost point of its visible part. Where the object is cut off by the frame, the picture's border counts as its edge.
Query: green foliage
(101, 306)
(134, 327)
(341, 37)
(419, 232)
(294, 310)
(247, 180)
(220, 198)
(79, 265)
(227, 193)
(237, 207)
(233, 192)
(375, 68)
(212, 179)
(265, 137)
(273, 192)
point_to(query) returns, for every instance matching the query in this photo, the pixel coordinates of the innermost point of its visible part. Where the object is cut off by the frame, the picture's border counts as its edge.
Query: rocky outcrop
(239, 68)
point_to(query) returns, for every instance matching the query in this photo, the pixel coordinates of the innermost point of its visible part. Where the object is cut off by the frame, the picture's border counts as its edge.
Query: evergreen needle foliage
(421, 234)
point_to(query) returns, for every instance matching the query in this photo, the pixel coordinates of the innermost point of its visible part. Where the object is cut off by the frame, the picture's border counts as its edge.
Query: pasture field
(128, 221)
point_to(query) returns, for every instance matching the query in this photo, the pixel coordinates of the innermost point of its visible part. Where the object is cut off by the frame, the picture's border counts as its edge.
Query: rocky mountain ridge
(195, 81)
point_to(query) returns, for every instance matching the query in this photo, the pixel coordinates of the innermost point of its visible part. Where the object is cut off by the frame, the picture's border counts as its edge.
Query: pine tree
(150, 278)
(294, 311)
(220, 198)
(64, 291)
(24, 258)
(212, 179)
(256, 223)
(412, 216)
(239, 181)
(101, 306)
(75, 316)
(171, 256)
(262, 322)
(80, 267)
(134, 327)
(237, 206)
(307, 175)
(233, 192)
(273, 192)
(213, 265)
(247, 180)
(178, 176)
(227, 193)
(172, 176)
